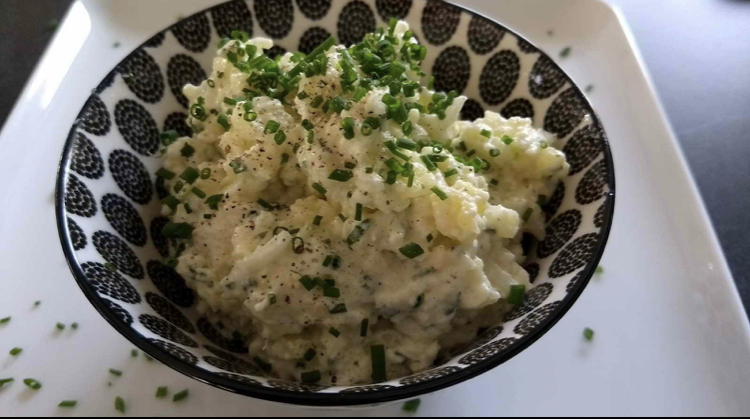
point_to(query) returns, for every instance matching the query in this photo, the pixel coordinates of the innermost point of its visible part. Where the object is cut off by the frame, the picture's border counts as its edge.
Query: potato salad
(335, 212)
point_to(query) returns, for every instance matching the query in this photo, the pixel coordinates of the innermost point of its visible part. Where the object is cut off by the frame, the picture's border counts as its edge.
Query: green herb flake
(334, 332)
(32, 384)
(411, 250)
(307, 282)
(134, 353)
(377, 355)
(181, 396)
(341, 175)
(588, 334)
(310, 377)
(68, 404)
(565, 52)
(599, 269)
(5, 320)
(412, 406)
(439, 192)
(115, 372)
(120, 404)
(338, 309)
(5, 381)
(162, 392)
(174, 230)
(516, 295)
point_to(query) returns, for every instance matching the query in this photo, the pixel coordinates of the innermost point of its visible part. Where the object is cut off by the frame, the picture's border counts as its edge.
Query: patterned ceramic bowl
(108, 200)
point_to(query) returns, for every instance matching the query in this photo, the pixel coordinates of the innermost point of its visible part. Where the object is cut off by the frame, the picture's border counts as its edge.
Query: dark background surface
(697, 51)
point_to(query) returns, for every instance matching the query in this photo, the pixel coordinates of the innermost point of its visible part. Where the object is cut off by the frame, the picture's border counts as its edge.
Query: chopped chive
(412, 406)
(213, 201)
(350, 165)
(348, 126)
(317, 220)
(411, 250)
(181, 396)
(115, 372)
(177, 230)
(341, 175)
(306, 124)
(310, 354)
(543, 145)
(410, 182)
(32, 383)
(74, 326)
(335, 265)
(238, 166)
(198, 192)
(168, 137)
(599, 269)
(134, 353)
(278, 230)
(318, 187)
(428, 163)
(284, 158)
(471, 153)
(5, 381)
(369, 170)
(331, 292)
(391, 178)
(495, 182)
(265, 366)
(280, 137)
(223, 120)
(110, 267)
(486, 133)
(37, 303)
(148, 358)
(588, 334)
(271, 127)
(342, 218)
(190, 175)
(272, 298)
(265, 204)
(60, 326)
(334, 332)
(507, 140)
(364, 327)
(5, 320)
(316, 102)
(310, 377)
(307, 282)
(120, 404)
(208, 216)
(229, 101)
(406, 144)
(439, 192)
(68, 403)
(302, 95)
(494, 152)
(298, 245)
(338, 309)
(328, 260)
(516, 294)
(394, 165)
(358, 213)
(377, 355)
(450, 173)
(15, 351)
(589, 88)
(407, 128)
(527, 214)
(394, 149)
(357, 232)
(178, 186)
(205, 173)
(565, 52)
(430, 238)
(162, 392)
(250, 116)
(165, 174)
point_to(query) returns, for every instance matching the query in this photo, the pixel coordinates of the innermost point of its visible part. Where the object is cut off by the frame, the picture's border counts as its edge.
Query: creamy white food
(245, 259)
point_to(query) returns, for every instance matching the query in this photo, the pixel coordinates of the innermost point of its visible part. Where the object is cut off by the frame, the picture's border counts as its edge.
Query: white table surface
(671, 336)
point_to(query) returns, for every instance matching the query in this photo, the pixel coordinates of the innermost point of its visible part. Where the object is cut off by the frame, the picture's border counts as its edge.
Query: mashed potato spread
(339, 216)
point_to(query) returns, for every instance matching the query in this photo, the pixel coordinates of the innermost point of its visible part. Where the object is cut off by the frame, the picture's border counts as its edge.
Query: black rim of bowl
(334, 399)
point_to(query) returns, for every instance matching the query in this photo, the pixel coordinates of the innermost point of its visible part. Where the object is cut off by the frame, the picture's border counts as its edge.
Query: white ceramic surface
(671, 338)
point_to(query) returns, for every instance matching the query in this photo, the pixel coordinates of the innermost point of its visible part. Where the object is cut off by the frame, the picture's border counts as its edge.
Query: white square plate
(671, 334)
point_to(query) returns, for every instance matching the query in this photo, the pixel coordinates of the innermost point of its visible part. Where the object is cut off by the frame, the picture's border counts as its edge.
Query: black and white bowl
(108, 208)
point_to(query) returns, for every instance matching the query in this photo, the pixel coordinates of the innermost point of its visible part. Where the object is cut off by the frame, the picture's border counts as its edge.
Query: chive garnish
(428, 163)
(486, 133)
(120, 404)
(115, 372)
(406, 144)
(588, 334)
(318, 187)
(162, 392)
(450, 173)
(174, 230)
(310, 377)
(271, 127)
(494, 182)
(507, 140)
(272, 298)
(331, 292)
(181, 396)
(565, 52)
(307, 282)
(187, 150)
(364, 327)
(316, 102)
(5, 320)
(412, 406)
(134, 353)
(198, 192)
(430, 238)
(442, 195)
(168, 137)
(527, 214)
(238, 166)
(74, 326)
(5, 381)
(358, 213)
(250, 116)
(317, 220)
(543, 145)
(357, 233)
(348, 126)
(60, 326)
(516, 294)
(265, 204)
(599, 269)
(165, 174)
(341, 175)
(338, 309)
(494, 152)
(190, 175)
(410, 182)
(310, 354)
(411, 250)
(68, 403)
(377, 355)
(334, 332)
(32, 384)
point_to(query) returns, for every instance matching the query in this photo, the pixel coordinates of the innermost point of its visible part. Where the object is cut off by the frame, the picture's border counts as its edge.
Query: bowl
(108, 210)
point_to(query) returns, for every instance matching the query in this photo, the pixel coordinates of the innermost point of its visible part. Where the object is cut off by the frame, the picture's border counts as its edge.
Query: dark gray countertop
(697, 52)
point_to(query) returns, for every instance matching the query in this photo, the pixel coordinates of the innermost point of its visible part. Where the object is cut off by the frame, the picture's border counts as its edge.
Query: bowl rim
(331, 399)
